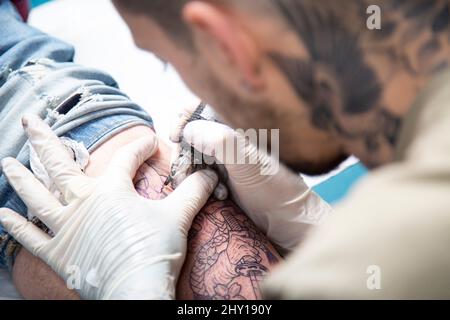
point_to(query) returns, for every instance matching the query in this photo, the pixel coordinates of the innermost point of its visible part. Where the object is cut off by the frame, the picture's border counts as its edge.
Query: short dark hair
(167, 13)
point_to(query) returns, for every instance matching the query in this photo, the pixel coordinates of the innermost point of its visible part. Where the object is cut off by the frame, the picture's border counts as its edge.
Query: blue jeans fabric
(37, 75)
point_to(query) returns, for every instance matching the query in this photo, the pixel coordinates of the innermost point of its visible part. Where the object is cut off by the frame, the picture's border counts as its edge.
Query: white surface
(103, 41)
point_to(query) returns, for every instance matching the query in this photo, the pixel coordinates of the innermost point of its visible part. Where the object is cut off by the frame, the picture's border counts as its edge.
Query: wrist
(36, 280)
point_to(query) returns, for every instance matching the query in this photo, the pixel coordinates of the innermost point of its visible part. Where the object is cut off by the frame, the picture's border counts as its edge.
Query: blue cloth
(37, 75)
(35, 3)
(337, 188)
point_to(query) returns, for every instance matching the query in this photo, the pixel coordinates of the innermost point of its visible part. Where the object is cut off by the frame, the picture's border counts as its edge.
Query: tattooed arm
(226, 258)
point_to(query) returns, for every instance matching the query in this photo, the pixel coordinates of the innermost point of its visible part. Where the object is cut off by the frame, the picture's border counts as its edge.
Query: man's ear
(234, 45)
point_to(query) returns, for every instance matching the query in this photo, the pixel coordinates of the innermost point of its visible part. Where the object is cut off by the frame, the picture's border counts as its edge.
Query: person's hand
(109, 242)
(275, 198)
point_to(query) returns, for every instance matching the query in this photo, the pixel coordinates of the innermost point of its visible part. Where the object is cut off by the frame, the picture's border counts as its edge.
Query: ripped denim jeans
(37, 76)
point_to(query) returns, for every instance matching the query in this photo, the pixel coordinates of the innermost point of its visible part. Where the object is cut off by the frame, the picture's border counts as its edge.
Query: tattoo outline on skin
(215, 272)
(235, 252)
(149, 181)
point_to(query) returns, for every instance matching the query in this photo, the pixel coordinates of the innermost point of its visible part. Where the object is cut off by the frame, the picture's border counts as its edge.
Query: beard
(239, 113)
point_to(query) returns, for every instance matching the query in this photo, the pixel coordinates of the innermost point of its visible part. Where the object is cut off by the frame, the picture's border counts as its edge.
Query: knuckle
(20, 229)
(192, 204)
(206, 189)
(133, 155)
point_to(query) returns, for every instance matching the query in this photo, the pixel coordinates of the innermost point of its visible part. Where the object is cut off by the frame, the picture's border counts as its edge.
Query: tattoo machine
(188, 160)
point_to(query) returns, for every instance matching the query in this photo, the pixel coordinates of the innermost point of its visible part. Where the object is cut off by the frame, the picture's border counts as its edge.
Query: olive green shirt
(391, 237)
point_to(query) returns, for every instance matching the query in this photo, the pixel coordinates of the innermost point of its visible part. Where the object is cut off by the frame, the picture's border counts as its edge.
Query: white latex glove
(112, 242)
(281, 204)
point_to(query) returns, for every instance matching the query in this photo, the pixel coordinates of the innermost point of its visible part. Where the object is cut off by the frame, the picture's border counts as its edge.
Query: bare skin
(227, 255)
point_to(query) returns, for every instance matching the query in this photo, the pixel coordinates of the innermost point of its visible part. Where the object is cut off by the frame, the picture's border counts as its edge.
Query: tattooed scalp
(337, 83)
